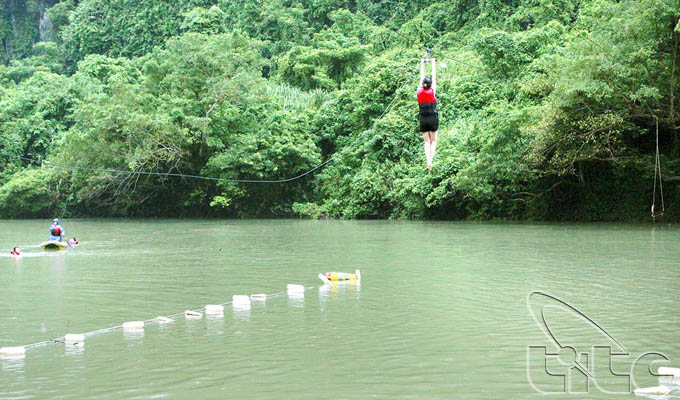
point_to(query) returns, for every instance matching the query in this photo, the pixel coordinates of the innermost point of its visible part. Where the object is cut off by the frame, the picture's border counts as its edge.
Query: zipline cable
(208, 178)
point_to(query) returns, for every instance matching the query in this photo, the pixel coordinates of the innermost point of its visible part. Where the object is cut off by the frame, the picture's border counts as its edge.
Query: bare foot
(429, 167)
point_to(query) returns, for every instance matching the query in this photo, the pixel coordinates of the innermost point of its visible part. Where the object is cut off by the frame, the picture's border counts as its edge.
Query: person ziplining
(427, 104)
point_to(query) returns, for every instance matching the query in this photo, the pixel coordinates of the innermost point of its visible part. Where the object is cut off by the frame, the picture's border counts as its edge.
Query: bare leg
(428, 157)
(433, 145)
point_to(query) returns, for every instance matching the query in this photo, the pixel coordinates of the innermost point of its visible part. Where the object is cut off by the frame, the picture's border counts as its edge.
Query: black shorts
(429, 123)
(429, 117)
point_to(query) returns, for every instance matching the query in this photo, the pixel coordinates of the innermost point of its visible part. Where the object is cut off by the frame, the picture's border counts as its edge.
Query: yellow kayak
(329, 277)
(53, 245)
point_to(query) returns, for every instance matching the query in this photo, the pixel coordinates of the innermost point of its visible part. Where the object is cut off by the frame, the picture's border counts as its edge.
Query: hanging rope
(657, 172)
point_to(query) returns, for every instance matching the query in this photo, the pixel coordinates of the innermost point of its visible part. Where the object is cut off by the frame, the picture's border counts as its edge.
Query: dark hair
(427, 83)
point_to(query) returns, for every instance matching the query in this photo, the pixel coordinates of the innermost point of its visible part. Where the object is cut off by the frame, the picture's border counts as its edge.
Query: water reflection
(13, 364)
(133, 334)
(296, 300)
(336, 289)
(75, 349)
(214, 324)
(241, 314)
(423, 327)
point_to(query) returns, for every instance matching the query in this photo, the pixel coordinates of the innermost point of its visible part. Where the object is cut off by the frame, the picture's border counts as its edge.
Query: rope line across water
(147, 321)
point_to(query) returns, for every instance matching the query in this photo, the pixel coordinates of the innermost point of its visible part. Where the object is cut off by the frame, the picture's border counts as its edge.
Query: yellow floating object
(340, 277)
(53, 245)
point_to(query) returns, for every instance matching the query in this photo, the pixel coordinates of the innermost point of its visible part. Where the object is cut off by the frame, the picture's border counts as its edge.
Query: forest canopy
(549, 109)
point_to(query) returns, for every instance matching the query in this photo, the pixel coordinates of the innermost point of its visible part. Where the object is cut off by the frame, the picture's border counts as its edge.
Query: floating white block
(669, 371)
(74, 338)
(669, 380)
(214, 309)
(133, 325)
(12, 351)
(240, 301)
(164, 320)
(654, 390)
(292, 288)
(192, 314)
(258, 297)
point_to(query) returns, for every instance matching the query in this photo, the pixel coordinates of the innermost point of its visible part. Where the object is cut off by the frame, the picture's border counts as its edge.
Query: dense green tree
(33, 116)
(548, 108)
(124, 27)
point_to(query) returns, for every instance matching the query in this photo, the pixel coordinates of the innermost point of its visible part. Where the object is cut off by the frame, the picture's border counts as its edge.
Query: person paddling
(15, 251)
(56, 231)
(427, 104)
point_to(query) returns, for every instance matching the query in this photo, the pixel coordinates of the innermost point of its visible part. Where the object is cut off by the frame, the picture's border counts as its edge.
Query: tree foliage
(549, 109)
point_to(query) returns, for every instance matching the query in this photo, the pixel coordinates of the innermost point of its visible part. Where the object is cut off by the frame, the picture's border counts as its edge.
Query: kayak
(329, 277)
(53, 245)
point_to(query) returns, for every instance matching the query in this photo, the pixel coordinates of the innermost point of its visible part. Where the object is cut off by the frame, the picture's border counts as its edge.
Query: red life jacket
(56, 231)
(426, 96)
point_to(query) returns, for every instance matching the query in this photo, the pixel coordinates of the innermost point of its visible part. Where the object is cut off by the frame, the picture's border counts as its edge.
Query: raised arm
(434, 76)
(422, 73)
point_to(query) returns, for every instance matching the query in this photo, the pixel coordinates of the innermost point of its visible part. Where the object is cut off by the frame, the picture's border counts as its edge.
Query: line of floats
(239, 302)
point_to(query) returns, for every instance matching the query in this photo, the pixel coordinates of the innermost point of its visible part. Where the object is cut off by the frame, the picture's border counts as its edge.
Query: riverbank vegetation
(549, 109)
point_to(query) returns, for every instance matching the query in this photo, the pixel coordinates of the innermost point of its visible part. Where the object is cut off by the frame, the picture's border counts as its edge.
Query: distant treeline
(548, 108)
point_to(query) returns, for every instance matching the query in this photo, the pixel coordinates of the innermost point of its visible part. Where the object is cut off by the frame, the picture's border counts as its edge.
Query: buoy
(192, 314)
(296, 292)
(296, 289)
(133, 325)
(240, 301)
(12, 352)
(329, 277)
(654, 390)
(214, 309)
(164, 320)
(669, 371)
(258, 297)
(74, 338)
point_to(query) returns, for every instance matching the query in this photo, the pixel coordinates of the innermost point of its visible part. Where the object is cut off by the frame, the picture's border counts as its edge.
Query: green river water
(442, 311)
